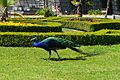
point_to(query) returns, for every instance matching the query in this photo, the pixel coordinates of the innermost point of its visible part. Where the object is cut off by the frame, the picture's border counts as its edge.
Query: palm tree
(80, 4)
(5, 13)
(5, 4)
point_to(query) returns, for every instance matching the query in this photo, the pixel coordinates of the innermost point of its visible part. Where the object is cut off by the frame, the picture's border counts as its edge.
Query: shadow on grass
(92, 54)
(65, 59)
(74, 58)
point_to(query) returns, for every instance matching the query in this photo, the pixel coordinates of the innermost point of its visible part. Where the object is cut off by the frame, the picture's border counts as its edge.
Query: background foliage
(46, 12)
(118, 4)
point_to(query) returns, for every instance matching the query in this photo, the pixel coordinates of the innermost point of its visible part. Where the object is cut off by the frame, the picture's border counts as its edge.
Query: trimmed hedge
(107, 25)
(91, 26)
(78, 25)
(28, 27)
(85, 24)
(86, 38)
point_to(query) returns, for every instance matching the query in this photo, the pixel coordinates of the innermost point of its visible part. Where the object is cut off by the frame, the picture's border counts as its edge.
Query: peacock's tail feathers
(66, 43)
(77, 50)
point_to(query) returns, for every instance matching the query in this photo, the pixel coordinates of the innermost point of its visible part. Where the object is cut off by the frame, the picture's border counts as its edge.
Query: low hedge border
(15, 39)
(91, 26)
(28, 27)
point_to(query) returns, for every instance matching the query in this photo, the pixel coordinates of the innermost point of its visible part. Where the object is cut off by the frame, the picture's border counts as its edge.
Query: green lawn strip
(20, 63)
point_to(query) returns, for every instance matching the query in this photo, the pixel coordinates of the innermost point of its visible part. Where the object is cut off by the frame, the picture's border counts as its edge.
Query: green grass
(20, 63)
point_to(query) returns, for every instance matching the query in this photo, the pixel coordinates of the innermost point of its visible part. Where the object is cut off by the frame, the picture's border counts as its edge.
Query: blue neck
(37, 44)
(35, 40)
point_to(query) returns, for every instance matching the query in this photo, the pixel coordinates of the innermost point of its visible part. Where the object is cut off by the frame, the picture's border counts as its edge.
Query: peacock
(55, 43)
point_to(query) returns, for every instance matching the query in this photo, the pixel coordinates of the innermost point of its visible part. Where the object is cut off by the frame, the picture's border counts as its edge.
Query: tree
(5, 13)
(5, 4)
(80, 3)
(79, 6)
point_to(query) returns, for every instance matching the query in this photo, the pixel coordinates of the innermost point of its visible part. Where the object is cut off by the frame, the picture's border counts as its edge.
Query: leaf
(74, 2)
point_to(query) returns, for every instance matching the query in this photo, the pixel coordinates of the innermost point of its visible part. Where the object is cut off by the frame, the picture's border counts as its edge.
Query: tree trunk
(5, 12)
(79, 9)
(44, 3)
(4, 15)
(109, 9)
(47, 3)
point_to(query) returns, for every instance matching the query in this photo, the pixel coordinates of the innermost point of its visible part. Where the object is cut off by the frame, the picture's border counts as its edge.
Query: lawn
(24, 63)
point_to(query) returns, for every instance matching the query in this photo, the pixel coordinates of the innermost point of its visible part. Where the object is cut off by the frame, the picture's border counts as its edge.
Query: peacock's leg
(49, 54)
(57, 54)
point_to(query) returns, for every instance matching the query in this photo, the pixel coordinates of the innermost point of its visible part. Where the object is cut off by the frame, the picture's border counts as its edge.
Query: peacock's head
(34, 39)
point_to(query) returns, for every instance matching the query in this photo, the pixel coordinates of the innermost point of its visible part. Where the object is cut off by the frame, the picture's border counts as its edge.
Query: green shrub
(28, 27)
(46, 12)
(94, 12)
(40, 12)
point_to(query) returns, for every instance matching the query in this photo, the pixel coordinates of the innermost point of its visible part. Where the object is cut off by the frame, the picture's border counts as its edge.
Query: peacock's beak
(33, 38)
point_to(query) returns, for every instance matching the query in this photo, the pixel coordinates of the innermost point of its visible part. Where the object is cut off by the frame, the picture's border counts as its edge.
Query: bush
(94, 12)
(28, 27)
(46, 12)
(103, 37)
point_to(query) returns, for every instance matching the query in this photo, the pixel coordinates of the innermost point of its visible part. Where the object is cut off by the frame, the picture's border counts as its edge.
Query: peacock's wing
(53, 43)
(58, 43)
(66, 43)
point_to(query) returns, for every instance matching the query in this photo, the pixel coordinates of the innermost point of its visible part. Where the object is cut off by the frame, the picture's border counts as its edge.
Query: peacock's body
(53, 43)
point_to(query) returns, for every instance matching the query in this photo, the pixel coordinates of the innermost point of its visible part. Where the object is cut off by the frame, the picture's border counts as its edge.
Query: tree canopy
(6, 3)
(80, 3)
